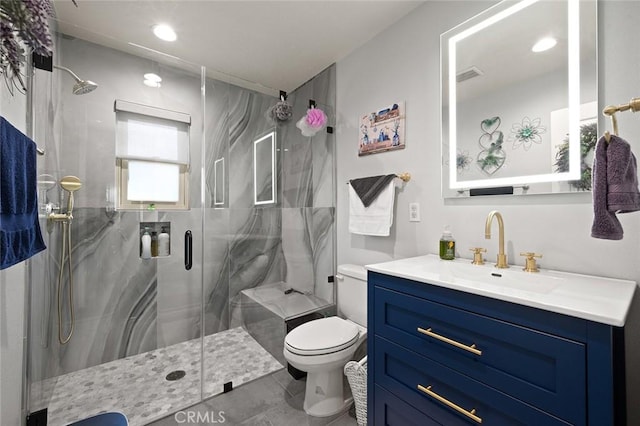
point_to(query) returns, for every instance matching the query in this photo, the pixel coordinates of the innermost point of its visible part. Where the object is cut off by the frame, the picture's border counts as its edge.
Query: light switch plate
(414, 212)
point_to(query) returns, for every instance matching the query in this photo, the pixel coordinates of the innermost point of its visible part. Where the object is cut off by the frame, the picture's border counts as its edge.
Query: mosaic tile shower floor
(136, 385)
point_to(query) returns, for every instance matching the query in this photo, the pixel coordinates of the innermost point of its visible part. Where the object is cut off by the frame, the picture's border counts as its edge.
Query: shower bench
(268, 314)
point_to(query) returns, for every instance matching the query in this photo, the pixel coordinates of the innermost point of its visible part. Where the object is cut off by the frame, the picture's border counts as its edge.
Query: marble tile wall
(308, 164)
(291, 241)
(308, 192)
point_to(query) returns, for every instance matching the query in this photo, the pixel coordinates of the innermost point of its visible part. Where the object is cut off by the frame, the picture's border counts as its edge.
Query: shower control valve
(59, 217)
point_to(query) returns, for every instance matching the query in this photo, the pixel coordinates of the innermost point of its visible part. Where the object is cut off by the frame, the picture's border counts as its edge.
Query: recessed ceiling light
(152, 80)
(152, 83)
(164, 32)
(153, 77)
(544, 44)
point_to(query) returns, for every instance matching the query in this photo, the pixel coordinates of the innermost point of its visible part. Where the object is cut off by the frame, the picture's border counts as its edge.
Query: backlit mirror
(264, 176)
(519, 99)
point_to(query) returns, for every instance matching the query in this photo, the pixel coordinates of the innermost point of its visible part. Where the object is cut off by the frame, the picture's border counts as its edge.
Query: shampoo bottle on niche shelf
(163, 243)
(145, 253)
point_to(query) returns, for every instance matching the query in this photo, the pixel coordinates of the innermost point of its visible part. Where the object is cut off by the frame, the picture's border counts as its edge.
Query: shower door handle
(188, 250)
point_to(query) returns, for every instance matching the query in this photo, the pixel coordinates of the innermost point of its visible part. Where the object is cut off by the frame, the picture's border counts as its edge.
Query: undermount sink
(513, 278)
(600, 299)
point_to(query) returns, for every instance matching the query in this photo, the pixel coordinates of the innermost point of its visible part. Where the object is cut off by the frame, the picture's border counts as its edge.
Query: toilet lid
(322, 336)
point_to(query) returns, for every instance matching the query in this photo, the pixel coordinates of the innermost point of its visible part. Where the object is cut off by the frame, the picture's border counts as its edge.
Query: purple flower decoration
(25, 20)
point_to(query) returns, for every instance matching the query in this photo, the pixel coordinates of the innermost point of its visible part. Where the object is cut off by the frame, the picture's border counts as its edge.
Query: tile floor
(137, 386)
(273, 400)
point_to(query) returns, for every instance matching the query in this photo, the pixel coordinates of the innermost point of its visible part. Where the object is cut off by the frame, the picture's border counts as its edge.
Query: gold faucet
(502, 257)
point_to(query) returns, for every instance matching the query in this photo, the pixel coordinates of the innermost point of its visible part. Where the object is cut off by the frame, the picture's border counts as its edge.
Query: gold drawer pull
(471, 414)
(471, 348)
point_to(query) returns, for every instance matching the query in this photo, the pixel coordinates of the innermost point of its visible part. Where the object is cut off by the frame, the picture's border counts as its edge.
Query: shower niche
(155, 239)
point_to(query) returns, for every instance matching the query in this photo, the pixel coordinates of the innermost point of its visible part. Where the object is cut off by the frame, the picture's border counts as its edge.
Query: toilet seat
(322, 336)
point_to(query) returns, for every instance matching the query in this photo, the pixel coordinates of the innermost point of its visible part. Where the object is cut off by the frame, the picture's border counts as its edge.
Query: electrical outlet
(414, 212)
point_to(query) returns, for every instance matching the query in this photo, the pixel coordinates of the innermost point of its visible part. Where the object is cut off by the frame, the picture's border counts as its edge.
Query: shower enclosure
(153, 336)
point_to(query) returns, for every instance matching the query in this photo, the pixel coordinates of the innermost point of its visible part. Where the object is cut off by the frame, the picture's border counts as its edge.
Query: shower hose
(66, 246)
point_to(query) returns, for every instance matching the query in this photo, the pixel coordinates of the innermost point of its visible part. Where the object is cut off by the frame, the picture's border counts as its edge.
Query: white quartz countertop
(599, 299)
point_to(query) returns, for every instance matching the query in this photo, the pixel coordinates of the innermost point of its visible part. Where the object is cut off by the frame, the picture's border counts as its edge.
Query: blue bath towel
(104, 419)
(20, 236)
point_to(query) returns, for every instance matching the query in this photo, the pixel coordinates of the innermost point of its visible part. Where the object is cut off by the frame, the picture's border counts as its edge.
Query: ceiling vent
(468, 74)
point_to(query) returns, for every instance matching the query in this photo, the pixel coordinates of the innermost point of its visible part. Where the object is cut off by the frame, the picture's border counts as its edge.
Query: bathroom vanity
(456, 344)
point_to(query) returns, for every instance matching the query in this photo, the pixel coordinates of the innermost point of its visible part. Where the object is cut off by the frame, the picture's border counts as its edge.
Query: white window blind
(151, 134)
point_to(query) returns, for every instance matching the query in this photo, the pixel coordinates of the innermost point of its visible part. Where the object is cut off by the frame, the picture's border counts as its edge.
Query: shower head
(70, 184)
(82, 86)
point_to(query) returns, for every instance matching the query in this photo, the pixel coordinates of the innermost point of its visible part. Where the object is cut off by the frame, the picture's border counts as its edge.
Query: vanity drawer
(392, 411)
(545, 370)
(448, 397)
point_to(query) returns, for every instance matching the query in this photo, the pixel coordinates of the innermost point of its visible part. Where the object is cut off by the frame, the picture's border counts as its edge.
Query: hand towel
(622, 177)
(20, 236)
(377, 218)
(369, 188)
(614, 187)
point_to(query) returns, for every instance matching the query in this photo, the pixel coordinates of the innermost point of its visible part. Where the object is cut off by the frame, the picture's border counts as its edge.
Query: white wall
(557, 226)
(12, 294)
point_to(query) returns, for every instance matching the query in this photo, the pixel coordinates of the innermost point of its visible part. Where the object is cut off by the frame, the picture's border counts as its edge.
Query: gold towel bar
(610, 110)
(471, 414)
(405, 177)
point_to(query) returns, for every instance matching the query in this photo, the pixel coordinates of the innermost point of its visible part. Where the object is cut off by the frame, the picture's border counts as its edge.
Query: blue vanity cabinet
(445, 357)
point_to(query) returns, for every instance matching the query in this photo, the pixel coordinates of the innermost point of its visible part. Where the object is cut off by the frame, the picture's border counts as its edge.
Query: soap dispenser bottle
(145, 252)
(163, 243)
(447, 245)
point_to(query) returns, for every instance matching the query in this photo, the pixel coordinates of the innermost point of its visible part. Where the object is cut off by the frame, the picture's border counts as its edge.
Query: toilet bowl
(322, 347)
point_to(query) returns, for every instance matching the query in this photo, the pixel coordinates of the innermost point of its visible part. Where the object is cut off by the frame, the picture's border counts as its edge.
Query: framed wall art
(382, 130)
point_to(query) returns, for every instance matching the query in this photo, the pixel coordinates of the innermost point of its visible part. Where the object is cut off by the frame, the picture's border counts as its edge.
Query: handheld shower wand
(69, 184)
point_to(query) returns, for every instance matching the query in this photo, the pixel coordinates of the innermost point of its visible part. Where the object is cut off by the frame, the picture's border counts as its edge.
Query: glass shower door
(131, 313)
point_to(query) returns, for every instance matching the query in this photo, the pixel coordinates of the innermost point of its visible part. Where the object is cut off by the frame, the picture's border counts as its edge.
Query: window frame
(122, 164)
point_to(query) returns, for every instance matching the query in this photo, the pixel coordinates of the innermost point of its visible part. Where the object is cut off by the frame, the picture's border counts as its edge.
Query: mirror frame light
(573, 98)
(272, 137)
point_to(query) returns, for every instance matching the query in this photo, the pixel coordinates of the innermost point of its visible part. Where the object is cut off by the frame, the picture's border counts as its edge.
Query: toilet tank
(351, 284)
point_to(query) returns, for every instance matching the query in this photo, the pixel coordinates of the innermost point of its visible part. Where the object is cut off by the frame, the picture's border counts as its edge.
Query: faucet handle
(477, 255)
(530, 261)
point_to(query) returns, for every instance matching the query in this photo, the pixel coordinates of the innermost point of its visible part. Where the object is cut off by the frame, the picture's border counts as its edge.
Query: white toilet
(322, 347)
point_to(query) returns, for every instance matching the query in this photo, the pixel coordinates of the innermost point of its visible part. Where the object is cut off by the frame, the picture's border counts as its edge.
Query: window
(152, 157)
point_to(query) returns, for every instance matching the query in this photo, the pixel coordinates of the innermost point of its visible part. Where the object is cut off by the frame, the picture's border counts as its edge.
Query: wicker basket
(356, 373)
